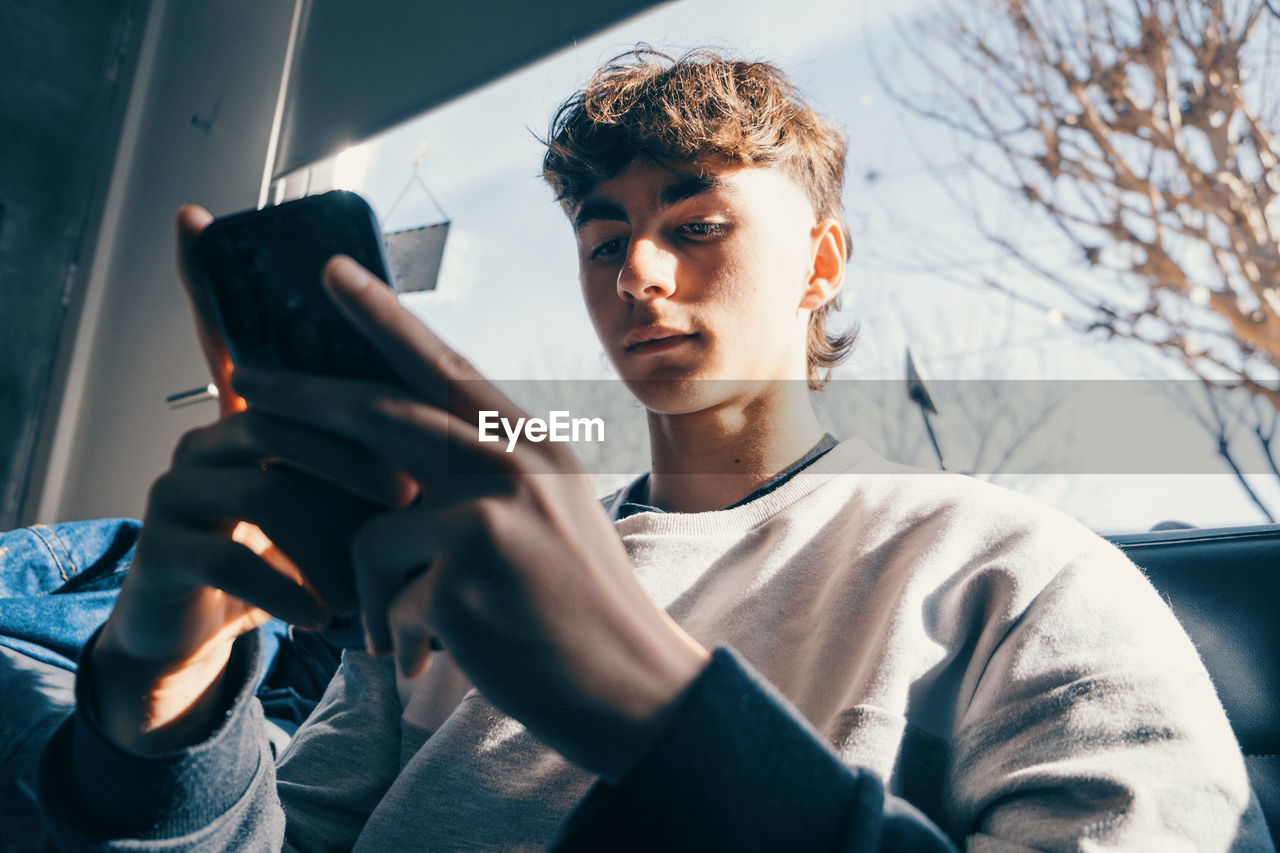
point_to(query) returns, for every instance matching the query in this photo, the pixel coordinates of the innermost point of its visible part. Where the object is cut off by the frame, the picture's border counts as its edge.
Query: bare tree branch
(1139, 131)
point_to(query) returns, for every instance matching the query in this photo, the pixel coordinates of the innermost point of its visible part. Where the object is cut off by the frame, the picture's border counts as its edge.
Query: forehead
(646, 187)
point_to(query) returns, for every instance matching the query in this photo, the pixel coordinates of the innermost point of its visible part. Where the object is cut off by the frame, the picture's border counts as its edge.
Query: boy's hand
(211, 561)
(515, 568)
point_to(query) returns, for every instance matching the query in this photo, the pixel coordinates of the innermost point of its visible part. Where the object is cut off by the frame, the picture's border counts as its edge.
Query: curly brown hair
(647, 104)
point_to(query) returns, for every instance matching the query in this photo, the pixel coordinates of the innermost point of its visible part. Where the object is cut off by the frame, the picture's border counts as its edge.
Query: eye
(704, 230)
(606, 250)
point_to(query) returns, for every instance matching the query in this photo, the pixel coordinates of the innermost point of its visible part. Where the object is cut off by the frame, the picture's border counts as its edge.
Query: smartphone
(263, 269)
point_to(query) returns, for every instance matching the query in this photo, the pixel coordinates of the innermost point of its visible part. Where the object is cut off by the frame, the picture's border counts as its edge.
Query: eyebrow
(677, 191)
(598, 208)
(689, 187)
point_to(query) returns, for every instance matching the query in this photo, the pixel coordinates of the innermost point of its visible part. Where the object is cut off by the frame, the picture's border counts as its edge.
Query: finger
(249, 437)
(395, 550)
(388, 552)
(310, 522)
(410, 624)
(399, 559)
(236, 570)
(312, 525)
(422, 440)
(191, 221)
(428, 365)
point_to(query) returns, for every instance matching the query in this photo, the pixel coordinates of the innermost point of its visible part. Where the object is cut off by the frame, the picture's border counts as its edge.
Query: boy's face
(699, 273)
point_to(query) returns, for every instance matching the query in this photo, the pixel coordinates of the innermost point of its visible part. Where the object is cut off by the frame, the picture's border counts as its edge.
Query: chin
(677, 392)
(668, 396)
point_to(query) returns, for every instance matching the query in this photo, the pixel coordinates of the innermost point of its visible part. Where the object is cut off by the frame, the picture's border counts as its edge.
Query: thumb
(192, 220)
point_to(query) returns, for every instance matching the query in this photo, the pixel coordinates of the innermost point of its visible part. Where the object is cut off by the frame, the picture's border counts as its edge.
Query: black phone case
(263, 269)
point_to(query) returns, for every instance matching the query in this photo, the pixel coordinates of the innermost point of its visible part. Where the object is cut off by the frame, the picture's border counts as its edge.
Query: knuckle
(525, 490)
(391, 409)
(172, 493)
(161, 493)
(189, 445)
(562, 457)
(494, 523)
(487, 515)
(454, 366)
(364, 410)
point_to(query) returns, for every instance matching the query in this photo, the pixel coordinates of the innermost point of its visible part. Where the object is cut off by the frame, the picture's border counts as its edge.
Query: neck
(711, 459)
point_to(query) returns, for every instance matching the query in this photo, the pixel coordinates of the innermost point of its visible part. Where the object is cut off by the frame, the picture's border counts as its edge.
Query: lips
(649, 333)
(648, 338)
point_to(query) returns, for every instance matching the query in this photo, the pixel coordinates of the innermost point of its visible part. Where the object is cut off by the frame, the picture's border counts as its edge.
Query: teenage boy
(999, 666)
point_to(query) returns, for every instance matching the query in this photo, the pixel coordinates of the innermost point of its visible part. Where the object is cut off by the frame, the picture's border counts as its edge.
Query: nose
(647, 273)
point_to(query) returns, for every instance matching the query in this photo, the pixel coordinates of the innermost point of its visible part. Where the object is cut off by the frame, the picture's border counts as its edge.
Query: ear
(826, 274)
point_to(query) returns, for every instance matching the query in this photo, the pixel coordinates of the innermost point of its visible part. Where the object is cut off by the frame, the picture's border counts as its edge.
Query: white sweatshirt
(1003, 668)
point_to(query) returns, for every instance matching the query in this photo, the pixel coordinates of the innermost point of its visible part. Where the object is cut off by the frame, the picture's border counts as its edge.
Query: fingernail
(195, 215)
(347, 274)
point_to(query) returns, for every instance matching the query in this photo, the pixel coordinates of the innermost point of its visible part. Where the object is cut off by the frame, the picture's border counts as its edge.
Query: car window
(1005, 382)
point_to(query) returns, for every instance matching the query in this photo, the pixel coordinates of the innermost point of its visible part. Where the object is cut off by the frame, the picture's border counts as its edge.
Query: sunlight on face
(697, 274)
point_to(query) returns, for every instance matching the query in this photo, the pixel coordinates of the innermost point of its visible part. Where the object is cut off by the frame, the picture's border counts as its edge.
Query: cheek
(601, 305)
(758, 291)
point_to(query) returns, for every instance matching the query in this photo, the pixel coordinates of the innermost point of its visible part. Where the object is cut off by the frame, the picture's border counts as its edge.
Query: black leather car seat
(1224, 587)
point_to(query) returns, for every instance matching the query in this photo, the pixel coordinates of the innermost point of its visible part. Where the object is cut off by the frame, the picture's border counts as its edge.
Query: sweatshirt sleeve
(1094, 718)
(214, 796)
(737, 768)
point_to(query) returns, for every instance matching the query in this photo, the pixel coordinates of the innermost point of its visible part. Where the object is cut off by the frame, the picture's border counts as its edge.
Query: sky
(507, 297)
